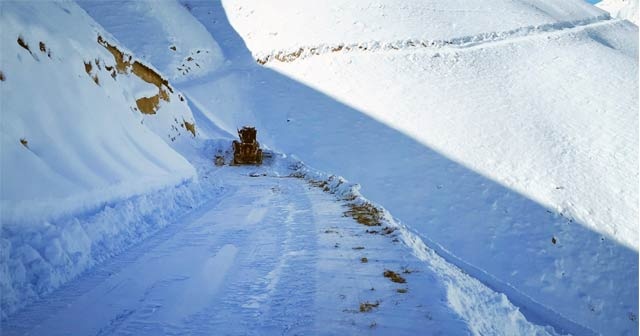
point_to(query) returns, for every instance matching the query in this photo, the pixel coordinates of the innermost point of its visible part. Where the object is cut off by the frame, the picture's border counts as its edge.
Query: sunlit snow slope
(622, 9)
(495, 129)
(285, 24)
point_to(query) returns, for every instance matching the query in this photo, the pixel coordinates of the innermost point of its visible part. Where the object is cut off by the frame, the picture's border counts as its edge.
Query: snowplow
(247, 150)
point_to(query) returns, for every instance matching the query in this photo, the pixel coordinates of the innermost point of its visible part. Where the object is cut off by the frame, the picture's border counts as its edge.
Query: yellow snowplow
(247, 150)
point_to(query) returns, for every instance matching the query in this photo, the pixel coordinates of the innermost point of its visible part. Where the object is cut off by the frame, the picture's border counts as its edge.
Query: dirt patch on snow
(23, 44)
(365, 214)
(388, 230)
(150, 76)
(191, 127)
(88, 68)
(148, 105)
(393, 276)
(367, 306)
(321, 184)
(44, 49)
(122, 63)
(125, 64)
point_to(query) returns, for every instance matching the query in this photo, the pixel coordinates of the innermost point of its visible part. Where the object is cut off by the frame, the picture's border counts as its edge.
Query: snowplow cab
(247, 134)
(247, 150)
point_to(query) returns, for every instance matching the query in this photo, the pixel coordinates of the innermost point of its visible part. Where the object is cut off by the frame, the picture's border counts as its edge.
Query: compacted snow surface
(498, 140)
(273, 254)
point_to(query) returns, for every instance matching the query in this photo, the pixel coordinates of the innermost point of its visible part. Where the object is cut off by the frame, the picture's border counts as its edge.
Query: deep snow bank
(74, 142)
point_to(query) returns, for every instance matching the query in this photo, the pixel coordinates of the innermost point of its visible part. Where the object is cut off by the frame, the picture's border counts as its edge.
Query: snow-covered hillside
(483, 134)
(83, 124)
(621, 9)
(264, 30)
(492, 139)
(166, 35)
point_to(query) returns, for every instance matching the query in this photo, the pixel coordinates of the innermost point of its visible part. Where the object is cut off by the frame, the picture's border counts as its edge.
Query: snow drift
(85, 127)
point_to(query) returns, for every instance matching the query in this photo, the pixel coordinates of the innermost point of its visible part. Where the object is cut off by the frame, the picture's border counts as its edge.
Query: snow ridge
(42, 258)
(290, 55)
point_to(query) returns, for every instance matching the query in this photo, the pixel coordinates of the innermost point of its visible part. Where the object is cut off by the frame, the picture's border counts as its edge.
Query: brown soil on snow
(125, 64)
(365, 214)
(366, 307)
(393, 276)
(191, 127)
(148, 105)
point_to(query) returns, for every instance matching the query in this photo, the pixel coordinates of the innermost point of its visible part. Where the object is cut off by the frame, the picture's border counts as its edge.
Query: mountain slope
(264, 29)
(166, 35)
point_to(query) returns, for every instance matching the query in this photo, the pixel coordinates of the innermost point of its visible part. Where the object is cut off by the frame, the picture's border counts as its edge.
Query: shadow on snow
(490, 231)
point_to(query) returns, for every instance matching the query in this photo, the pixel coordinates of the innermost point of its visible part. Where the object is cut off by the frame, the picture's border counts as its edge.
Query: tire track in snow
(291, 55)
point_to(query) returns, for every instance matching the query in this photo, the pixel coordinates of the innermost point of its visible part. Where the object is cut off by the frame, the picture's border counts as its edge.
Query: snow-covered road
(272, 255)
(480, 126)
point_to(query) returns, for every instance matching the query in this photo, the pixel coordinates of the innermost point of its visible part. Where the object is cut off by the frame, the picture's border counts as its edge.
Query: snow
(286, 24)
(273, 254)
(497, 141)
(166, 35)
(488, 146)
(73, 144)
(621, 9)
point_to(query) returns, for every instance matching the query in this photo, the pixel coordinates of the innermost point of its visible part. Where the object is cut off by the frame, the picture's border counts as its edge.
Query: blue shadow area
(555, 269)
